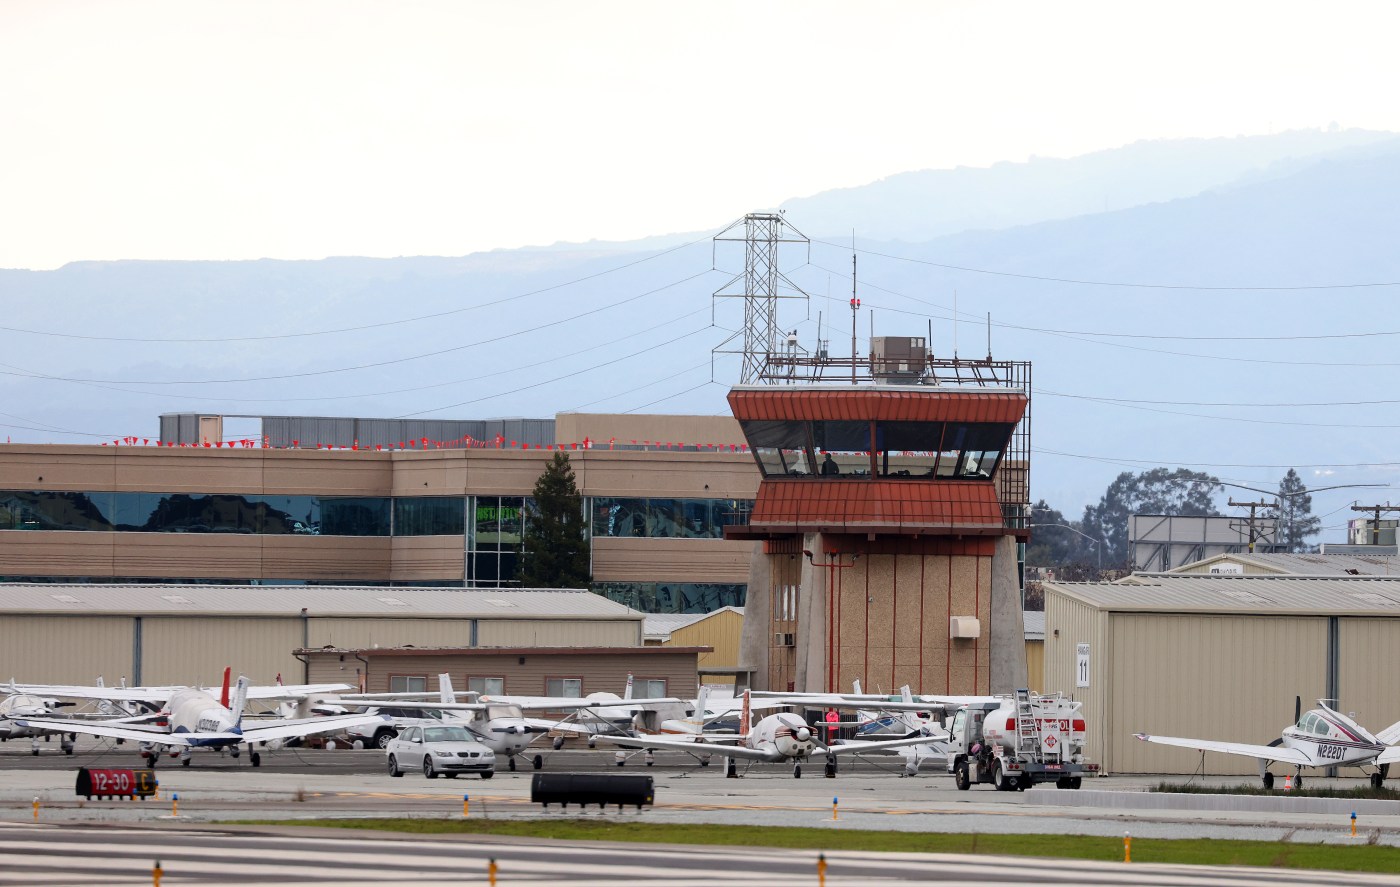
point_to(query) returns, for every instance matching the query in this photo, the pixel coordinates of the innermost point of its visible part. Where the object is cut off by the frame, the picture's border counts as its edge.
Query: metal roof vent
(499, 602)
(1246, 597)
(392, 601)
(1371, 597)
(176, 599)
(65, 598)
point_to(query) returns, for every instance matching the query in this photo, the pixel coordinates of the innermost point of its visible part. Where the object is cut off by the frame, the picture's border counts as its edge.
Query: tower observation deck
(894, 492)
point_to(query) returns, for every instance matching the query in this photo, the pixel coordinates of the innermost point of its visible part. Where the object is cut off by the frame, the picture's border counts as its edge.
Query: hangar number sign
(1081, 665)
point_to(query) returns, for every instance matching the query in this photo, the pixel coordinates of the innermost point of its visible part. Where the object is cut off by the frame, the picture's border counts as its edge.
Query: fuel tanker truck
(1016, 741)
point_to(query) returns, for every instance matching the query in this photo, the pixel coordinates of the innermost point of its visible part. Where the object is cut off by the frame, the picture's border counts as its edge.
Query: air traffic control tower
(887, 522)
(895, 490)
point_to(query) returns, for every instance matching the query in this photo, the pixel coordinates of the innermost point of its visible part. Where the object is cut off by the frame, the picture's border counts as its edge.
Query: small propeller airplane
(1321, 737)
(782, 737)
(195, 718)
(499, 722)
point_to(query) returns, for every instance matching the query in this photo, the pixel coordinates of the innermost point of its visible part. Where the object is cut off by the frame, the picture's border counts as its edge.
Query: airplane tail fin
(223, 697)
(1390, 735)
(744, 716)
(702, 697)
(627, 693)
(856, 684)
(445, 693)
(910, 718)
(240, 699)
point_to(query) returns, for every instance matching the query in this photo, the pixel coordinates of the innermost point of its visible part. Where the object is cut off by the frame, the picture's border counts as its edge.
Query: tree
(1054, 542)
(1158, 491)
(1296, 522)
(554, 547)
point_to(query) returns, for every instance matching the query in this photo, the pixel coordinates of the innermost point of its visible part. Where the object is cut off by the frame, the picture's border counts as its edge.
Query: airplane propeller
(1297, 709)
(802, 734)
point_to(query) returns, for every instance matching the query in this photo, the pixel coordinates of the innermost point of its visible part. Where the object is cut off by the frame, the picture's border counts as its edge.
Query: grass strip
(1357, 857)
(1355, 793)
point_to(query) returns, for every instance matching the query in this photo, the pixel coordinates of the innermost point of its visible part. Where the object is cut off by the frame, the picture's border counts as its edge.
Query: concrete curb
(1236, 803)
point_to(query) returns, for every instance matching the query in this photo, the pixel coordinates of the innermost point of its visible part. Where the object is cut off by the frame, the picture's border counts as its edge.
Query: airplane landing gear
(185, 755)
(620, 757)
(830, 769)
(650, 758)
(255, 759)
(704, 760)
(796, 771)
(558, 742)
(539, 762)
(731, 769)
(34, 747)
(1268, 781)
(510, 763)
(1377, 780)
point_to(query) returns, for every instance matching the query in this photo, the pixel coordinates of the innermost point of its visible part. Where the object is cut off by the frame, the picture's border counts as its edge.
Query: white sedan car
(446, 750)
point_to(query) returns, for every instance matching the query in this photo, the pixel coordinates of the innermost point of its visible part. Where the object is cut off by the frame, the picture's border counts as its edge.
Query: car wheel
(487, 774)
(428, 770)
(394, 766)
(383, 738)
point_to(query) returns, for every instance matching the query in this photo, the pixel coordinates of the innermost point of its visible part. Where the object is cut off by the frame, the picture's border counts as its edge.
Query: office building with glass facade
(657, 506)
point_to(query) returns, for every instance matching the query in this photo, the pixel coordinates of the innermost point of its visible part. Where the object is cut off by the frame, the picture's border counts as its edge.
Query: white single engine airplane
(499, 722)
(1322, 737)
(777, 738)
(17, 707)
(194, 718)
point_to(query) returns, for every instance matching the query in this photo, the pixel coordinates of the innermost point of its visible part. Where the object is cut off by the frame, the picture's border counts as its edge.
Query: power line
(1124, 461)
(1126, 284)
(553, 380)
(1245, 419)
(368, 326)
(377, 364)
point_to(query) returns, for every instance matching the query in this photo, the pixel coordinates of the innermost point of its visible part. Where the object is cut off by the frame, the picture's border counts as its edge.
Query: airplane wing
(294, 691)
(126, 732)
(728, 751)
(830, 700)
(253, 732)
(572, 703)
(424, 705)
(1267, 752)
(858, 747)
(154, 695)
(1390, 735)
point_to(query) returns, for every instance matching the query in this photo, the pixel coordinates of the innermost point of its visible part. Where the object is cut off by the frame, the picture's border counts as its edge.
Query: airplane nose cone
(803, 734)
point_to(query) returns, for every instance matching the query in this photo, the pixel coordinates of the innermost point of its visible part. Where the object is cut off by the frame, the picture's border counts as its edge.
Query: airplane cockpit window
(1321, 727)
(1305, 723)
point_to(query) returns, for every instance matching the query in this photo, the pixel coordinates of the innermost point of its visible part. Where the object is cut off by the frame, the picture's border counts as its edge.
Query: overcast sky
(216, 130)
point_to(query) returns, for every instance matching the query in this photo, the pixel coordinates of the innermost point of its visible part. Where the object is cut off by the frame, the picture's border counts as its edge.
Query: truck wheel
(961, 778)
(1076, 781)
(1005, 782)
(383, 738)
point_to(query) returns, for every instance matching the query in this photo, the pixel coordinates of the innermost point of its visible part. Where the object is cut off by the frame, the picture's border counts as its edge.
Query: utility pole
(1252, 521)
(1376, 519)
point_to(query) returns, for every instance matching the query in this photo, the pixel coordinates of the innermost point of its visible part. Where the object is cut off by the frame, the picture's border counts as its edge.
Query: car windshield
(446, 734)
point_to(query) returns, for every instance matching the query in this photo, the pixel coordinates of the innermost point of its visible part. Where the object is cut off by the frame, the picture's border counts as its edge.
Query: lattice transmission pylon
(762, 285)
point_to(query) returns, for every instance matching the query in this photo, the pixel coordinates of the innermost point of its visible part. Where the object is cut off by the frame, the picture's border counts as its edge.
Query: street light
(1098, 549)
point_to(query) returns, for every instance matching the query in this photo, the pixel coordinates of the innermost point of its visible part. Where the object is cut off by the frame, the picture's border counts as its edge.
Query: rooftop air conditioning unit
(897, 360)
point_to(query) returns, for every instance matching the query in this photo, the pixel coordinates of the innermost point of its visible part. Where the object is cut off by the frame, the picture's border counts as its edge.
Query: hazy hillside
(608, 328)
(929, 203)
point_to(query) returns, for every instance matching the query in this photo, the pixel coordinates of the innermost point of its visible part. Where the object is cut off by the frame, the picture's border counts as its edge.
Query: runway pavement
(309, 784)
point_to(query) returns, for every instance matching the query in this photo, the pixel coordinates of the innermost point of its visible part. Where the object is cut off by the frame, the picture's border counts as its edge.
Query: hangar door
(1231, 678)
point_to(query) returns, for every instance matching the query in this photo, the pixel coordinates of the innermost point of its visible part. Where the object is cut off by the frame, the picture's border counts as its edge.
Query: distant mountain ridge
(612, 327)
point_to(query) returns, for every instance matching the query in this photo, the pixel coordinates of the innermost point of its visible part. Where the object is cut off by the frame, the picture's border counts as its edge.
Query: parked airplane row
(178, 720)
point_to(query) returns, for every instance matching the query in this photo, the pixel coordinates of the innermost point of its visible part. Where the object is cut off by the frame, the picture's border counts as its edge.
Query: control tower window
(842, 448)
(907, 449)
(782, 448)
